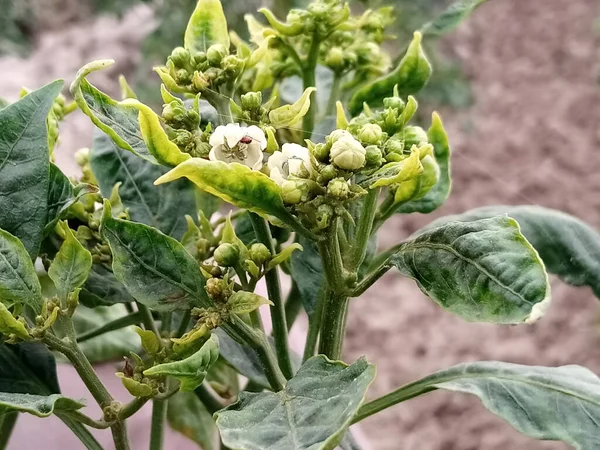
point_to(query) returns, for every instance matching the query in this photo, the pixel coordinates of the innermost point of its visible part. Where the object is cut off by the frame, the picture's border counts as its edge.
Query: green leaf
(207, 26)
(18, 280)
(554, 403)
(410, 76)
(71, 265)
(27, 368)
(162, 207)
(452, 17)
(103, 289)
(24, 166)
(10, 325)
(307, 272)
(190, 371)
(288, 115)
(283, 255)
(312, 412)
(483, 271)
(569, 247)
(187, 415)
(38, 405)
(154, 268)
(119, 121)
(234, 183)
(440, 191)
(242, 302)
(110, 346)
(149, 339)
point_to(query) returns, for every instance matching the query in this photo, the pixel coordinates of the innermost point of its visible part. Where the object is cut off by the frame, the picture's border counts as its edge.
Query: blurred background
(517, 87)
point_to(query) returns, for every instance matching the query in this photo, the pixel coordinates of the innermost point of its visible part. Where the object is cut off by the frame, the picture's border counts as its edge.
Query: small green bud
(335, 58)
(371, 134)
(199, 58)
(227, 255)
(394, 103)
(338, 189)
(324, 215)
(347, 153)
(217, 289)
(321, 151)
(215, 54)
(231, 64)
(374, 156)
(200, 81)
(291, 192)
(260, 254)
(82, 157)
(412, 135)
(251, 100)
(328, 173)
(180, 57)
(394, 145)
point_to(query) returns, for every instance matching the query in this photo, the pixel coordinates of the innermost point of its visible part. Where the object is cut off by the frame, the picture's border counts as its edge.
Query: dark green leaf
(162, 207)
(438, 193)
(554, 403)
(18, 280)
(307, 272)
(482, 271)
(119, 121)
(27, 368)
(187, 415)
(569, 247)
(452, 17)
(24, 166)
(61, 195)
(38, 405)
(155, 269)
(103, 289)
(312, 412)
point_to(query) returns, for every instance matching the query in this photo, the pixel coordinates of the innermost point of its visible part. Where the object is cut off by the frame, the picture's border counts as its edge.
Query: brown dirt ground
(532, 136)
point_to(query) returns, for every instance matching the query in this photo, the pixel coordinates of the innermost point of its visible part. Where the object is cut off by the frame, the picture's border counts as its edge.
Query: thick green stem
(208, 399)
(117, 324)
(263, 234)
(334, 95)
(293, 305)
(159, 416)
(80, 430)
(309, 80)
(333, 325)
(148, 320)
(314, 326)
(363, 229)
(120, 437)
(7, 424)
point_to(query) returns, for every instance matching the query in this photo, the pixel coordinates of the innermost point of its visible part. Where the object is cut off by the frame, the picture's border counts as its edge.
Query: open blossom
(293, 159)
(234, 143)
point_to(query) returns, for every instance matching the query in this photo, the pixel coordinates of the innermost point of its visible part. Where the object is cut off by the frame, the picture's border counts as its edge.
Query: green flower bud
(260, 254)
(217, 289)
(180, 57)
(371, 134)
(338, 189)
(200, 81)
(328, 173)
(231, 64)
(82, 157)
(252, 100)
(291, 192)
(374, 156)
(335, 58)
(347, 153)
(215, 54)
(412, 135)
(321, 151)
(394, 145)
(198, 59)
(324, 215)
(227, 255)
(394, 103)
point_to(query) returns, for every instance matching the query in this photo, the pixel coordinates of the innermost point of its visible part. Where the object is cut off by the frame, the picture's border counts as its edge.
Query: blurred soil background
(530, 136)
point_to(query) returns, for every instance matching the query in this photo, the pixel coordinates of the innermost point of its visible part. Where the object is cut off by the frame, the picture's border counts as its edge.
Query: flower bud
(291, 192)
(260, 254)
(231, 64)
(394, 102)
(394, 145)
(370, 134)
(82, 157)
(324, 215)
(199, 58)
(335, 58)
(338, 189)
(347, 153)
(227, 255)
(180, 57)
(374, 156)
(215, 54)
(328, 173)
(200, 81)
(413, 135)
(321, 151)
(217, 288)
(251, 101)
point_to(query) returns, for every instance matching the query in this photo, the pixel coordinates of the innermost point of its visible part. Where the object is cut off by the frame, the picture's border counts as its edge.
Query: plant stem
(81, 431)
(263, 234)
(314, 326)
(333, 325)
(208, 399)
(159, 415)
(131, 408)
(334, 95)
(120, 437)
(7, 424)
(363, 229)
(185, 322)
(293, 305)
(309, 80)
(148, 320)
(116, 324)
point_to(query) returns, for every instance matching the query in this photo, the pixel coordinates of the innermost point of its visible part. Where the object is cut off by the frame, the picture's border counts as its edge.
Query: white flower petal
(257, 135)
(277, 159)
(276, 176)
(233, 134)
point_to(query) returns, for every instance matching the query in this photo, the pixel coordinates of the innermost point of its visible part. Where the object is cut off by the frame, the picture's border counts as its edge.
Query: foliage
(139, 240)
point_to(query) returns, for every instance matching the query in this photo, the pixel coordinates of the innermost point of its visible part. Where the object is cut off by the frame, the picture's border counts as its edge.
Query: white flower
(234, 143)
(293, 159)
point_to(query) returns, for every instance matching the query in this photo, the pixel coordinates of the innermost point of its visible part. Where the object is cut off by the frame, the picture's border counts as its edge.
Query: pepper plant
(137, 246)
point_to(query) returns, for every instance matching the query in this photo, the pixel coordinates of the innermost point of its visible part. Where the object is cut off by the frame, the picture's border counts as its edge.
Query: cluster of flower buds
(182, 124)
(201, 71)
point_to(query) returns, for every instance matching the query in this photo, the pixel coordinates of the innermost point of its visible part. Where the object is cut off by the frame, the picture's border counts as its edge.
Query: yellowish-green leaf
(126, 91)
(150, 341)
(234, 183)
(155, 137)
(192, 370)
(258, 54)
(134, 387)
(207, 26)
(398, 172)
(72, 263)
(284, 255)
(230, 237)
(190, 340)
(288, 115)
(242, 302)
(10, 325)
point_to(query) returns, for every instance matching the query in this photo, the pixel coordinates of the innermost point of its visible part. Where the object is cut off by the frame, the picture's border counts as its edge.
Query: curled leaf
(288, 115)
(284, 255)
(10, 325)
(134, 387)
(155, 137)
(150, 341)
(242, 302)
(190, 371)
(189, 340)
(397, 172)
(286, 29)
